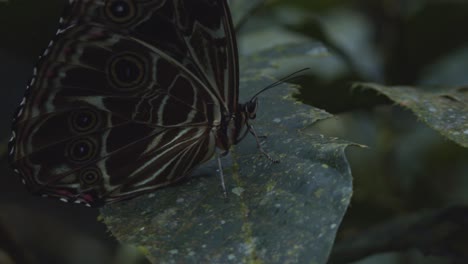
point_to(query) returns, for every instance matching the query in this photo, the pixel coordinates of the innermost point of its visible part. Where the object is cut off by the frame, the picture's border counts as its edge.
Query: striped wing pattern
(129, 97)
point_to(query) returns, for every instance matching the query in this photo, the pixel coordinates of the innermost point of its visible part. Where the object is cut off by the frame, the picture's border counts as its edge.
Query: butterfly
(130, 96)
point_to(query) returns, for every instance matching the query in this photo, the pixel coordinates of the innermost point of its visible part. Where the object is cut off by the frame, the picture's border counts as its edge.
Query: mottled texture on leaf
(275, 213)
(445, 110)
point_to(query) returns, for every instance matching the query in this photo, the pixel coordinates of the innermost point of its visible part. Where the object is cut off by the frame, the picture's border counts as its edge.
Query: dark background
(409, 172)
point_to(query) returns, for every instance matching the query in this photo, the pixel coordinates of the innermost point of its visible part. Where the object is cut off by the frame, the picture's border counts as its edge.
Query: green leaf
(286, 212)
(445, 109)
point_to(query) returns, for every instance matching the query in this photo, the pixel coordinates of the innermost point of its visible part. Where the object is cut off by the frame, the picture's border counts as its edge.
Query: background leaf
(445, 110)
(242, 9)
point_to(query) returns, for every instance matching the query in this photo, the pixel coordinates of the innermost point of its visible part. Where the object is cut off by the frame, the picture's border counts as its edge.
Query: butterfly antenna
(290, 77)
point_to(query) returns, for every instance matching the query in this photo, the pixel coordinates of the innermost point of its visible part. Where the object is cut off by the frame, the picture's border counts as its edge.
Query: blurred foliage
(410, 186)
(28, 26)
(409, 168)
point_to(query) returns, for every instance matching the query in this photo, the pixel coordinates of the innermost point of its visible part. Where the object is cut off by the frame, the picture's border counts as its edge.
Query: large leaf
(275, 213)
(444, 109)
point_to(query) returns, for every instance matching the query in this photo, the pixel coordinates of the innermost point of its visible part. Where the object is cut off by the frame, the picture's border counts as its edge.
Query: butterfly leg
(252, 131)
(221, 174)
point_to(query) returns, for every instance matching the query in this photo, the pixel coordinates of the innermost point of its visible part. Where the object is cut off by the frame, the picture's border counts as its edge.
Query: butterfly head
(250, 108)
(237, 125)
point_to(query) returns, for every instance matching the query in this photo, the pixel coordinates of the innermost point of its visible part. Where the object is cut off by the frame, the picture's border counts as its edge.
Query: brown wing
(124, 99)
(101, 107)
(197, 33)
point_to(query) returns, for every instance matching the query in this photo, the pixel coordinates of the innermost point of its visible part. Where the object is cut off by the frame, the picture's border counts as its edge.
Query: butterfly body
(129, 97)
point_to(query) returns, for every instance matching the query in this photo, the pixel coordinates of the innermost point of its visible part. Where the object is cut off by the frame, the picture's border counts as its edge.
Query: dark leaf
(445, 110)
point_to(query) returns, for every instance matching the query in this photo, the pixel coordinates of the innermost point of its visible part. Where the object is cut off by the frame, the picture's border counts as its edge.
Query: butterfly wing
(197, 33)
(109, 116)
(124, 99)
